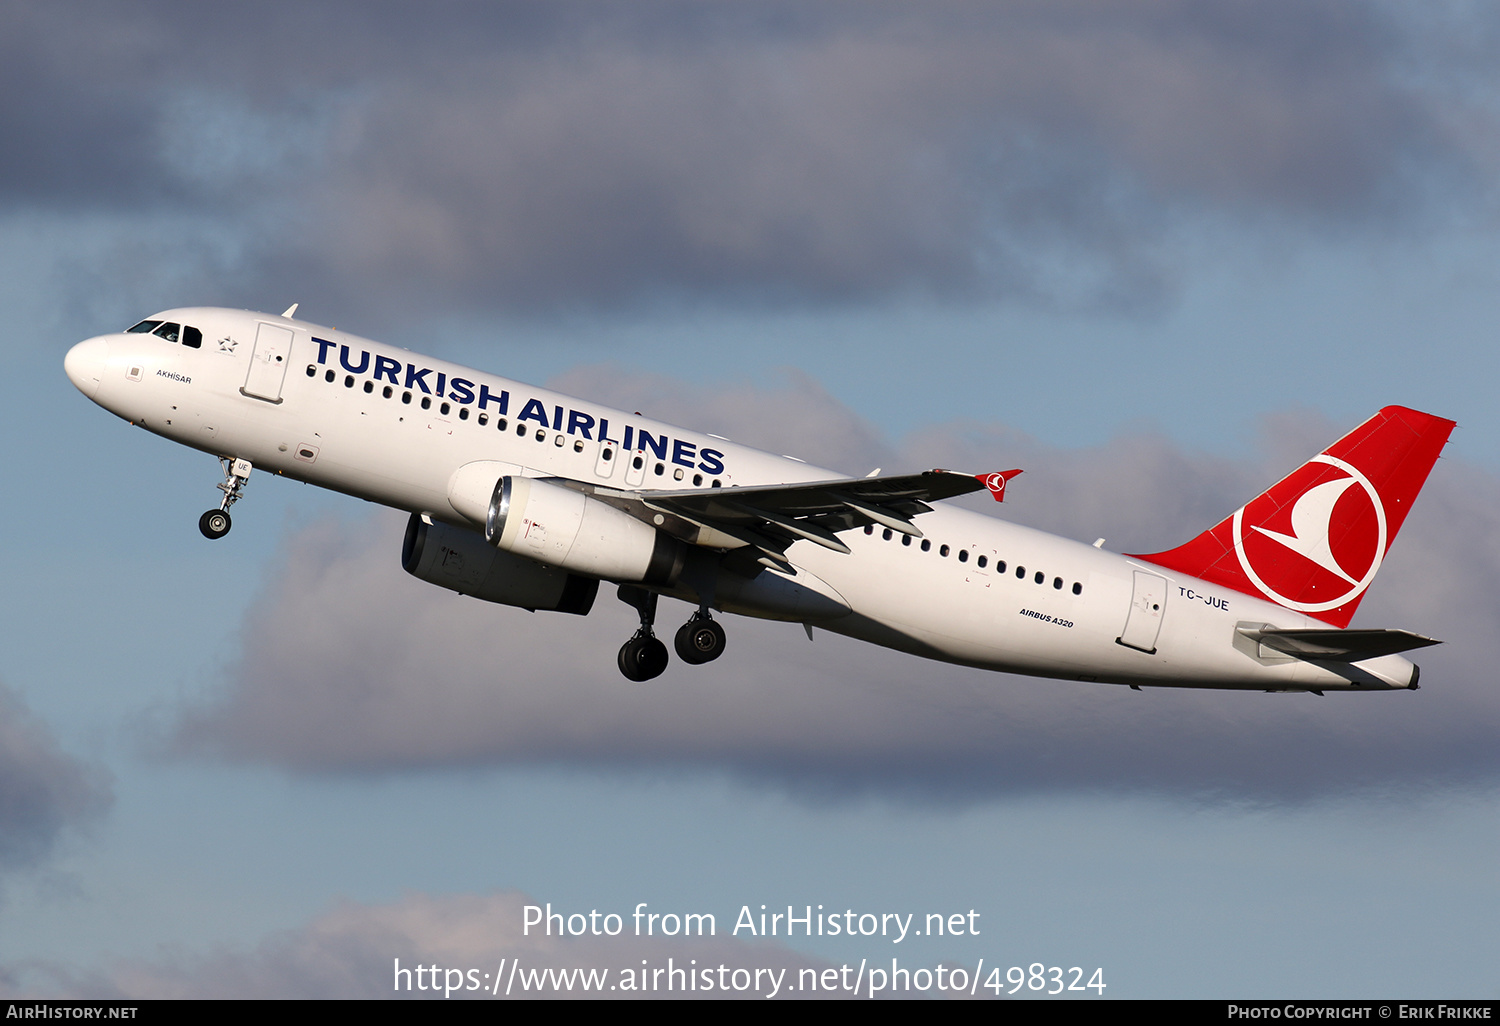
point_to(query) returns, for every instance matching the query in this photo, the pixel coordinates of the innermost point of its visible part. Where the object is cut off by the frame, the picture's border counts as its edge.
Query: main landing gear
(643, 657)
(700, 640)
(216, 523)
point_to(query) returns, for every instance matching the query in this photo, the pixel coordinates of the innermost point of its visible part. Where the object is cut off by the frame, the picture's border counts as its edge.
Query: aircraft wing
(769, 518)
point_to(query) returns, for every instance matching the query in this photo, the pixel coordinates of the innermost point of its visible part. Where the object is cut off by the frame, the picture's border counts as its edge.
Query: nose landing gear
(216, 522)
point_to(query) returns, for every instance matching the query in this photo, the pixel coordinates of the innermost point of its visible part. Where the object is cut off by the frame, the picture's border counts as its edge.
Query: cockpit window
(184, 333)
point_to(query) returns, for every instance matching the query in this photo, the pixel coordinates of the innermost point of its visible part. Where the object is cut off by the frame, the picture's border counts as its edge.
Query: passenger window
(926, 544)
(869, 529)
(1020, 573)
(943, 551)
(963, 555)
(886, 534)
(906, 539)
(982, 561)
(426, 402)
(168, 331)
(1077, 588)
(192, 337)
(999, 566)
(1057, 583)
(369, 387)
(1040, 577)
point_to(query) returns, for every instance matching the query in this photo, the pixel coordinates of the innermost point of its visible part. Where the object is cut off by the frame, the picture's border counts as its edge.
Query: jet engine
(566, 528)
(462, 561)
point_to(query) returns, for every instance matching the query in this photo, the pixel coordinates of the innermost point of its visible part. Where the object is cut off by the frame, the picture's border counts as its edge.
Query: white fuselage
(392, 426)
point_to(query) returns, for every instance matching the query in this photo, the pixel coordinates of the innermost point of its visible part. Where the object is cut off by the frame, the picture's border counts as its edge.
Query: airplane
(526, 497)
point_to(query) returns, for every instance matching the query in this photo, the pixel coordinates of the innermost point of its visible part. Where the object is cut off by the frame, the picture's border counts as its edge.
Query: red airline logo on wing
(996, 482)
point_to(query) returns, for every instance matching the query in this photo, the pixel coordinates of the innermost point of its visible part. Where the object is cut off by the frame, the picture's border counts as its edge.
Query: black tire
(652, 658)
(699, 641)
(627, 661)
(215, 523)
(641, 659)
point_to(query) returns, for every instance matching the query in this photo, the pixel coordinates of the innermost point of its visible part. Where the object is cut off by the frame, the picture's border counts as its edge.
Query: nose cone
(85, 364)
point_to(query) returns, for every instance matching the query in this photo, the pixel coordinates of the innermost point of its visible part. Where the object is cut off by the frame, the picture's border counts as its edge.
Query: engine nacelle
(463, 561)
(566, 528)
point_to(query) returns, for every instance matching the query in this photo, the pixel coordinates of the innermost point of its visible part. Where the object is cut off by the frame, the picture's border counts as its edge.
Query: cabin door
(268, 363)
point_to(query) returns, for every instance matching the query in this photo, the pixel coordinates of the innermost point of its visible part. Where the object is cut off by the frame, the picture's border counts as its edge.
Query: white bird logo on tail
(1312, 522)
(1311, 519)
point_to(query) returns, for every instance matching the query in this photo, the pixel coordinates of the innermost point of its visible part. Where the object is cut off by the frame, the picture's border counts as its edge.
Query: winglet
(996, 482)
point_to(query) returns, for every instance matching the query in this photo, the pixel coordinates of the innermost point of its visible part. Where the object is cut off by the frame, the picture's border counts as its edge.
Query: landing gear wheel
(215, 523)
(642, 658)
(699, 641)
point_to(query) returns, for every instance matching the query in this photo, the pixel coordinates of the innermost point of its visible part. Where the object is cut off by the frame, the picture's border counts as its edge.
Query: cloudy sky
(1157, 254)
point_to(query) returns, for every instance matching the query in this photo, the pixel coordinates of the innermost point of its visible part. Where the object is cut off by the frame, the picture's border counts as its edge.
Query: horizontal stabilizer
(1335, 645)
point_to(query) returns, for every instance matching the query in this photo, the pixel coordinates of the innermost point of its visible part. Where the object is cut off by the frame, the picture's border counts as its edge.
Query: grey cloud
(43, 790)
(533, 158)
(350, 952)
(76, 131)
(351, 666)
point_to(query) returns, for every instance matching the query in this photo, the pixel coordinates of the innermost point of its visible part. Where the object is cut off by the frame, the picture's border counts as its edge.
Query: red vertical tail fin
(1314, 540)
